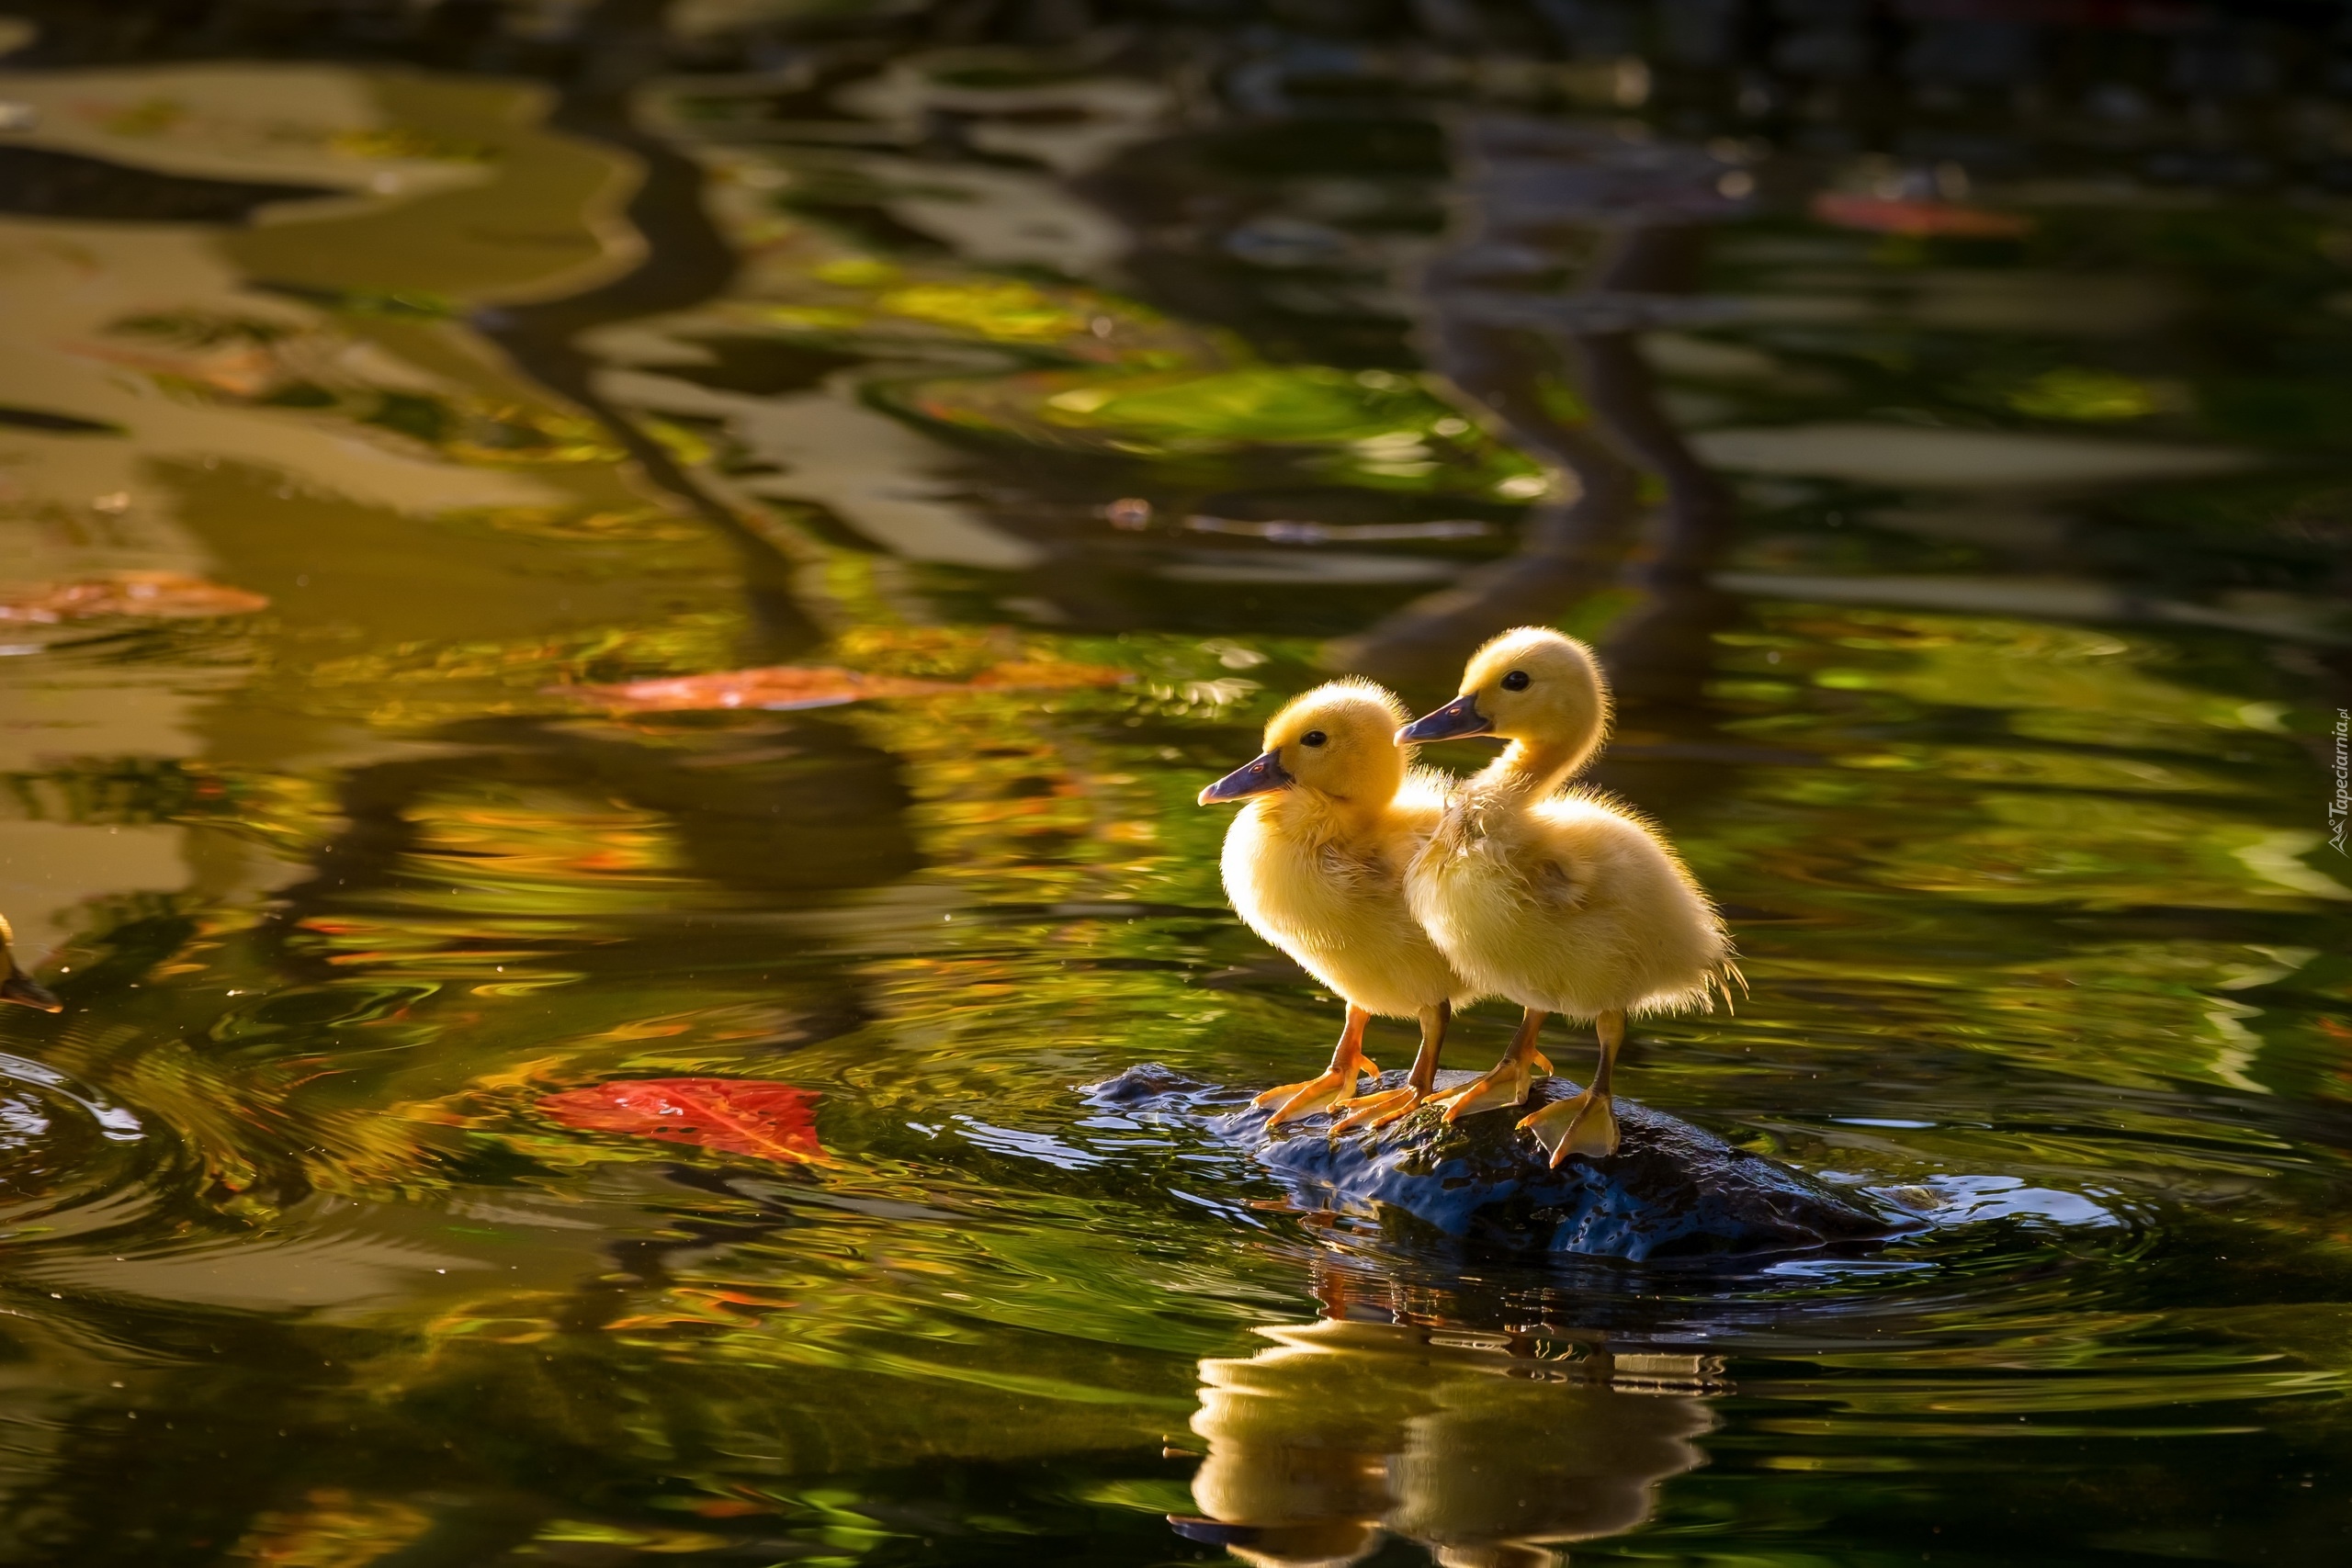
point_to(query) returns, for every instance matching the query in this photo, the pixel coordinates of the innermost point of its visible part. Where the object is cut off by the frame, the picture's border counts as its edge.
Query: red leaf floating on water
(735, 1116)
(780, 686)
(167, 596)
(1888, 215)
(810, 686)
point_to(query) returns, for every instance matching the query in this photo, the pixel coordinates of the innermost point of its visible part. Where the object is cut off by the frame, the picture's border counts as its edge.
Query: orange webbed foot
(1374, 1112)
(1505, 1087)
(1319, 1093)
(1585, 1125)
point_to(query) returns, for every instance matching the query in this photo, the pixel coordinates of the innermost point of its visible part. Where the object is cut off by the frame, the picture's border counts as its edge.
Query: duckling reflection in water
(1344, 1430)
(1316, 862)
(1564, 902)
(17, 986)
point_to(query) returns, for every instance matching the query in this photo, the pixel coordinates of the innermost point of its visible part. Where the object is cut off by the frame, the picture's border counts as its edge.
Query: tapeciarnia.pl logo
(2339, 809)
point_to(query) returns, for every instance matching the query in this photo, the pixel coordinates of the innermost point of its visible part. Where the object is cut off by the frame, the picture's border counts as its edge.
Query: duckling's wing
(1617, 844)
(1556, 881)
(1581, 801)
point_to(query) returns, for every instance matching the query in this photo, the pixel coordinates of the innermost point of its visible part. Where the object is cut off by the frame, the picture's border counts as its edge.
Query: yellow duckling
(1565, 903)
(15, 985)
(1315, 865)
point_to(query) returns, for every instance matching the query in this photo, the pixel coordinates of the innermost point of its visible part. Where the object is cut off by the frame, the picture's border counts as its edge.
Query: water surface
(1973, 597)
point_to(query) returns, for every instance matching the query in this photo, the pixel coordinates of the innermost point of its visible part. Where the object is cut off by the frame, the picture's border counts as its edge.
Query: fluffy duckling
(1565, 903)
(17, 986)
(1316, 862)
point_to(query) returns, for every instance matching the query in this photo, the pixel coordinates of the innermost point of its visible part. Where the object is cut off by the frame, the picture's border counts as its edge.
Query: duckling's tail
(1720, 979)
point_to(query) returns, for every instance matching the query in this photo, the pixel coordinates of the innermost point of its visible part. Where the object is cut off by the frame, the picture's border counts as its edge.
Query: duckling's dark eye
(1312, 738)
(1515, 681)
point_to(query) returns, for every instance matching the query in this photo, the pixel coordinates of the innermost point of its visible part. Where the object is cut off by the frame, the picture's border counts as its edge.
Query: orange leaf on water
(1889, 215)
(810, 686)
(168, 596)
(735, 1116)
(777, 686)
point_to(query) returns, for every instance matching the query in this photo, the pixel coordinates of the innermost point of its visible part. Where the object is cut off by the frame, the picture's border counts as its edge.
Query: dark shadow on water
(36, 182)
(622, 43)
(1529, 200)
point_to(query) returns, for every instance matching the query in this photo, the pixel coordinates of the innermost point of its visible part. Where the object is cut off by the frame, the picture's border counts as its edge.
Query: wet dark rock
(1155, 1087)
(1672, 1191)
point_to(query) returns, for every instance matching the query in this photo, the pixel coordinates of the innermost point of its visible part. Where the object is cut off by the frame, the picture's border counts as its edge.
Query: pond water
(1950, 474)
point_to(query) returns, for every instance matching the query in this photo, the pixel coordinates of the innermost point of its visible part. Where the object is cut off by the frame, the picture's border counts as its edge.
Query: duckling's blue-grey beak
(23, 989)
(1261, 776)
(1455, 721)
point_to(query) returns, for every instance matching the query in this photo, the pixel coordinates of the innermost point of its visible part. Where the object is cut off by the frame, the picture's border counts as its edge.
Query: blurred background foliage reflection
(1935, 412)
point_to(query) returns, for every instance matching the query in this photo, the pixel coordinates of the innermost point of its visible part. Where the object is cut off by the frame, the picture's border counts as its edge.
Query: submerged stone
(1671, 1191)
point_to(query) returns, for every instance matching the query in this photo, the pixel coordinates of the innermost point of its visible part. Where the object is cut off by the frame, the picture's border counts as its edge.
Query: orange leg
(1587, 1124)
(1377, 1111)
(1508, 1082)
(1337, 1082)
